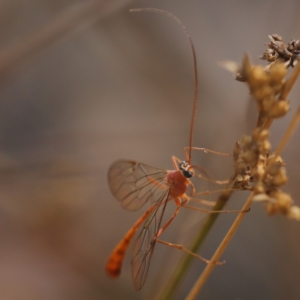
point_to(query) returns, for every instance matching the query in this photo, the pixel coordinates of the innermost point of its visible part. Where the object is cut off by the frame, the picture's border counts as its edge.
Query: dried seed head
(277, 50)
(260, 135)
(270, 55)
(259, 188)
(266, 84)
(242, 181)
(281, 203)
(260, 171)
(241, 167)
(266, 105)
(264, 147)
(262, 93)
(278, 109)
(280, 178)
(243, 75)
(275, 159)
(237, 150)
(294, 213)
(253, 162)
(294, 46)
(249, 157)
(257, 77)
(246, 141)
(261, 197)
(274, 168)
(277, 73)
(276, 37)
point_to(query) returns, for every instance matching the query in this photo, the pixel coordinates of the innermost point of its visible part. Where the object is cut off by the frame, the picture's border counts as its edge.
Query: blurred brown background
(84, 83)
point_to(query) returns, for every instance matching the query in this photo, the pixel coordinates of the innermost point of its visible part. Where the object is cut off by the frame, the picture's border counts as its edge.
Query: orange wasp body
(134, 184)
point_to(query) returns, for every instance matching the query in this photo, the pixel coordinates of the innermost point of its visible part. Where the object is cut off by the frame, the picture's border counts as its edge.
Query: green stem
(209, 268)
(182, 268)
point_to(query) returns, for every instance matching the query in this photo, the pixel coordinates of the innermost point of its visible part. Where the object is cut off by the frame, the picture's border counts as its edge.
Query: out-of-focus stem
(182, 268)
(207, 271)
(289, 132)
(58, 27)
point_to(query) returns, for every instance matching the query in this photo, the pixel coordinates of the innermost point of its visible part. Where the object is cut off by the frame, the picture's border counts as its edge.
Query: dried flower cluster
(256, 168)
(262, 173)
(266, 87)
(279, 51)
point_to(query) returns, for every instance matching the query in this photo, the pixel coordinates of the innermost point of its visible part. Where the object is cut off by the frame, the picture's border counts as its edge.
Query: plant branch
(182, 268)
(290, 83)
(290, 130)
(207, 271)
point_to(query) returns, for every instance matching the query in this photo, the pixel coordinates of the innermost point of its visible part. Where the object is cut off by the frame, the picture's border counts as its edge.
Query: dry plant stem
(181, 269)
(205, 274)
(64, 23)
(288, 132)
(290, 83)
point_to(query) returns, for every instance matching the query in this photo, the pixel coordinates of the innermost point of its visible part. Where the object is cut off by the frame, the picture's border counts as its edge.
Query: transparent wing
(134, 184)
(144, 244)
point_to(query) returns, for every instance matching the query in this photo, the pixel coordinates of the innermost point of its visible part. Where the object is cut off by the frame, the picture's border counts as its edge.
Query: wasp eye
(187, 174)
(184, 168)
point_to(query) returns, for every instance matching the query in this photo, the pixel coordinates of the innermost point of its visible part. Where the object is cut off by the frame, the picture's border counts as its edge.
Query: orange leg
(185, 150)
(180, 247)
(207, 192)
(209, 178)
(178, 203)
(175, 160)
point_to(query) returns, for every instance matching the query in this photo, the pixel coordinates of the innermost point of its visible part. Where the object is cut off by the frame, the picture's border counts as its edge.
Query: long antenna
(163, 12)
